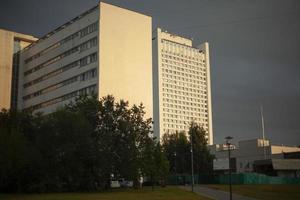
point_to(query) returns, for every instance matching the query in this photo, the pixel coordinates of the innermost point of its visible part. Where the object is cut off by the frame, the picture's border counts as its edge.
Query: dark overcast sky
(255, 47)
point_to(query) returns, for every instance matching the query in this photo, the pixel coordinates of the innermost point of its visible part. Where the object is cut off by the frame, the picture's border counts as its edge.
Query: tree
(78, 147)
(177, 150)
(203, 160)
(155, 164)
(121, 132)
(177, 147)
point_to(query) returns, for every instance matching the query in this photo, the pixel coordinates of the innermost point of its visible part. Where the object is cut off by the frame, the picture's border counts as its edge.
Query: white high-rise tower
(181, 84)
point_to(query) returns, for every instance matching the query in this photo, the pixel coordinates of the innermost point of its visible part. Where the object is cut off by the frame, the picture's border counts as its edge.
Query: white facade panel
(125, 56)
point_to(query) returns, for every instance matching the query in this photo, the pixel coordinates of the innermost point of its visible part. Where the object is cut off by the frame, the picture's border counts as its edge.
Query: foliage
(177, 148)
(155, 166)
(178, 151)
(76, 148)
(203, 160)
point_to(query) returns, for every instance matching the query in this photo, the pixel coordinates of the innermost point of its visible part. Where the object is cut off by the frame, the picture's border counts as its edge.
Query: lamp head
(227, 139)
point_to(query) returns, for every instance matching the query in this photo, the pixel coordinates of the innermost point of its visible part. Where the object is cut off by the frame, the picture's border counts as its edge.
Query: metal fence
(242, 179)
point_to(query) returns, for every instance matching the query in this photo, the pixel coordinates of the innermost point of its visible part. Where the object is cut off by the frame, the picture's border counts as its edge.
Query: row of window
(187, 119)
(168, 130)
(81, 62)
(182, 69)
(87, 45)
(194, 98)
(192, 60)
(181, 112)
(180, 107)
(178, 92)
(88, 59)
(176, 127)
(177, 116)
(184, 115)
(192, 84)
(171, 100)
(90, 90)
(88, 75)
(196, 117)
(180, 49)
(89, 29)
(82, 77)
(185, 63)
(85, 31)
(185, 87)
(80, 47)
(185, 79)
(182, 62)
(192, 76)
(168, 86)
(184, 112)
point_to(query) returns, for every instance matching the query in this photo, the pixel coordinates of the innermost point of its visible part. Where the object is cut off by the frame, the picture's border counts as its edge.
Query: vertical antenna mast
(263, 130)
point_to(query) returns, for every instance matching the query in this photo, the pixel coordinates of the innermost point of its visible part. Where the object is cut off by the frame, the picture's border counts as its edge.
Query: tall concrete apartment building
(106, 50)
(10, 44)
(181, 84)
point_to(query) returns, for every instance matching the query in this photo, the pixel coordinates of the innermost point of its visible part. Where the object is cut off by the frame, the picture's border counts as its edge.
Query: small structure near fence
(258, 156)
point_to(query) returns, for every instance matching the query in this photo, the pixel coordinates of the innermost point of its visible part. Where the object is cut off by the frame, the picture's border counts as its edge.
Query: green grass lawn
(168, 193)
(264, 192)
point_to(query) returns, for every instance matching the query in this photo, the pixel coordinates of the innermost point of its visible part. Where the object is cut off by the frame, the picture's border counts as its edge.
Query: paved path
(216, 194)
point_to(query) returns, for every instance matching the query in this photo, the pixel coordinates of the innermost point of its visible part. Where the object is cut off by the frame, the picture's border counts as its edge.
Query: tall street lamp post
(228, 138)
(175, 165)
(192, 163)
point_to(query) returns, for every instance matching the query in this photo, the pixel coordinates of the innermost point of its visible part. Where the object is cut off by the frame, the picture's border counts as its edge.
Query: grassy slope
(265, 192)
(169, 193)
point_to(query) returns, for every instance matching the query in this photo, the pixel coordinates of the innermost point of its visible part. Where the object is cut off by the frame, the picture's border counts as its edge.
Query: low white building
(248, 152)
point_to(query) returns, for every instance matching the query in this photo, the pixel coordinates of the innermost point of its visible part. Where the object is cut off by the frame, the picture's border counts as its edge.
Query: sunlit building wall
(106, 50)
(10, 43)
(181, 85)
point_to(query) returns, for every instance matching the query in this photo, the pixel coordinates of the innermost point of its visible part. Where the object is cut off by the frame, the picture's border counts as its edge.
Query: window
(87, 30)
(93, 58)
(90, 90)
(84, 47)
(66, 53)
(83, 61)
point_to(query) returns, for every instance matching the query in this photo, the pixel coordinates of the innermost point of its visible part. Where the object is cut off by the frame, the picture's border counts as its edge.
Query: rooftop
(62, 27)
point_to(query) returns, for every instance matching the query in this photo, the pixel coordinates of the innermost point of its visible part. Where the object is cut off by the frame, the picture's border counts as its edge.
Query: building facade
(106, 50)
(181, 84)
(248, 152)
(10, 44)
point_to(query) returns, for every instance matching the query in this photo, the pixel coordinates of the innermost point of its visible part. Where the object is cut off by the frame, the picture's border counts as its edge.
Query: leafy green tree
(203, 160)
(178, 145)
(177, 148)
(16, 149)
(68, 149)
(78, 147)
(155, 165)
(122, 133)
